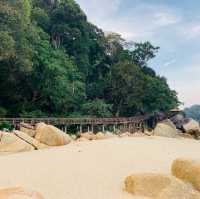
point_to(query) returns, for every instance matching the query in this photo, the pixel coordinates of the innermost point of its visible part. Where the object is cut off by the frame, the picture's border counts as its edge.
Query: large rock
(179, 190)
(28, 129)
(50, 135)
(10, 143)
(165, 129)
(146, 184)
(191, 127)
(159, 186)
(187, 170)
(178, 120)
(19, 193)
(35, 143)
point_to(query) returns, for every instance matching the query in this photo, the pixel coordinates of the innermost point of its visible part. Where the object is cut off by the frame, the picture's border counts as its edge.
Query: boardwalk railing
(130, 123)
(70, 121)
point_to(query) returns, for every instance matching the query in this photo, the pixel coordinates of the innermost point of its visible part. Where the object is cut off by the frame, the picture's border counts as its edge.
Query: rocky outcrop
(28, 129)
(10, 143)
(192, 127)
(51, 136)
(165, 129)
(178, 121)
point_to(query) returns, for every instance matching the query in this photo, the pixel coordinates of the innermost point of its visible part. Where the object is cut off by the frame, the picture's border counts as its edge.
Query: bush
(97, 108)
(6, 126)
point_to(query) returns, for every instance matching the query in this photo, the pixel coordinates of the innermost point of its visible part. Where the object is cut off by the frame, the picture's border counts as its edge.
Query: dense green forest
(53, 62)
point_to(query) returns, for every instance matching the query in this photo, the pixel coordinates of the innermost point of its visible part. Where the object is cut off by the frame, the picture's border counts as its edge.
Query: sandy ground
(93, 170)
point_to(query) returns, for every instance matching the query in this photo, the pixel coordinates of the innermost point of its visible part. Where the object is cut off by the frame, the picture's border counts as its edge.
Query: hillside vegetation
(53, 62)
(193, 112)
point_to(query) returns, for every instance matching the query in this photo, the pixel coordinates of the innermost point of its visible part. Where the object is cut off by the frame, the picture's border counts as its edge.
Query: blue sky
(174, 25)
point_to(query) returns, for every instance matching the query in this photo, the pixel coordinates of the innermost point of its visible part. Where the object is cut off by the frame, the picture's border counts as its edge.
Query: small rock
(100, 136)
(82, 139)
(88, 136)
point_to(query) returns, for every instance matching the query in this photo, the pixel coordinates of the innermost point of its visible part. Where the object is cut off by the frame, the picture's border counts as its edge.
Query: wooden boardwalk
(130, 123)
(76, 121)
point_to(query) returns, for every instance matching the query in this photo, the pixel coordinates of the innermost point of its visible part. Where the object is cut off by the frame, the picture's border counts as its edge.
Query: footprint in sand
(19, 193)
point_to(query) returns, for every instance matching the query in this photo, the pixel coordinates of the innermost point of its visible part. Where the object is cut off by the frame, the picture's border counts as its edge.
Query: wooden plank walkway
(131, 124)
(76, 121)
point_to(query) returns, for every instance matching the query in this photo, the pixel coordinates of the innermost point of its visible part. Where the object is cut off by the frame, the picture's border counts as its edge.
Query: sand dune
(93, 170)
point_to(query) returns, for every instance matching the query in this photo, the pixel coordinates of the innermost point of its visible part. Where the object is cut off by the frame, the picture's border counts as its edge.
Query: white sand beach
(93, 170)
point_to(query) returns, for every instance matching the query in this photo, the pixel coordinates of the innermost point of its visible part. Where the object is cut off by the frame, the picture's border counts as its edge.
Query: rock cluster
(30, 138)
(185, 182)
(178, 127)
(92, 136)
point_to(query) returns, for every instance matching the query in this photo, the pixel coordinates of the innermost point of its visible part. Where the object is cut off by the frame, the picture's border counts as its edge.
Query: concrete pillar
(65, 128)
(114, 128)
(103, 128)
(81, 128)
(92, 128)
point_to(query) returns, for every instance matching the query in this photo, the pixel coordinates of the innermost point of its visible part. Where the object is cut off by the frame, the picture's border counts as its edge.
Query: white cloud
(97, 11)
(163, 25)
(170, 62)
(166, 18)
(191, 31)
(140, 22)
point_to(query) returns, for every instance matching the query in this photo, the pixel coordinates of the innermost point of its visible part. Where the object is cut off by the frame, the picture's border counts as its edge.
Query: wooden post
(129, 128)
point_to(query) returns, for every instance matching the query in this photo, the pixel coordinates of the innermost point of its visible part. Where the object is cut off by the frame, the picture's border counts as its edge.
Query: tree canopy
(53, 62)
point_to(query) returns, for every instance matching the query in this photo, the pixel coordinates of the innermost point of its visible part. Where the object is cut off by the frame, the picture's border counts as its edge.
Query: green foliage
(53, 62)
(158, 96)
(3, 112)
(7, 45)
(6, 126)
(97, 108)
(33, 114)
